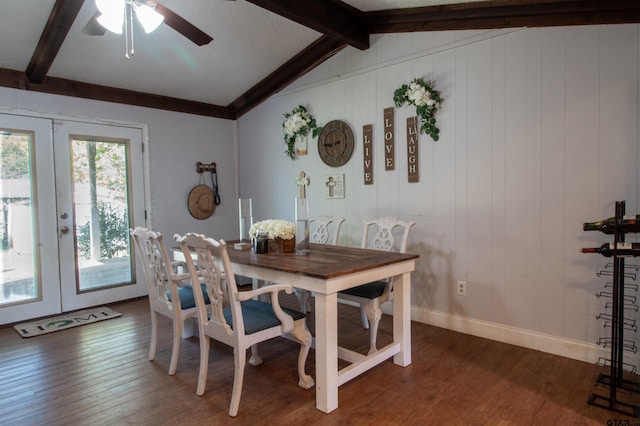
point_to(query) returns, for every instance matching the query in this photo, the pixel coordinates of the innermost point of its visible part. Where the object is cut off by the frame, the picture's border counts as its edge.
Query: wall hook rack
(201, 167)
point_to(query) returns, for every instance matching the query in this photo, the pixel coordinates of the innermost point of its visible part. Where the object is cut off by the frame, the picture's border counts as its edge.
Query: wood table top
(324, 261)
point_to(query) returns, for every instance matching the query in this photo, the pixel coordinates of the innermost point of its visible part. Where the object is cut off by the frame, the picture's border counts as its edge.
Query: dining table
(325, 271)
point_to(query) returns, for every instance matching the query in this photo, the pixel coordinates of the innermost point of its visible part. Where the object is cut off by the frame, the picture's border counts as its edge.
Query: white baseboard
(574, 349)
(581, 351)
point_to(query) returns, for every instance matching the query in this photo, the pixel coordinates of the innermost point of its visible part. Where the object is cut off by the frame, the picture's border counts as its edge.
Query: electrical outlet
(461, 288)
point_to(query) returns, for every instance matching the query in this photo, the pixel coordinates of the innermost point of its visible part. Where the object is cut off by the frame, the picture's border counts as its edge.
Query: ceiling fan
(118, 15)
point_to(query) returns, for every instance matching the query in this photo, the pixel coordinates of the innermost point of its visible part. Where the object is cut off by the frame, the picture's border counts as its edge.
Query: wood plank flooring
(99, 374)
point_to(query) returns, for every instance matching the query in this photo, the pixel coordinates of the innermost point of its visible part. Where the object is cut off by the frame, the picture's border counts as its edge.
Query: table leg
(326, 320)
(402, 318)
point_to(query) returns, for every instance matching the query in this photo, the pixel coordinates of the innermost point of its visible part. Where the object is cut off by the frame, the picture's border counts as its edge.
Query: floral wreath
(298, 123)
(427, 101)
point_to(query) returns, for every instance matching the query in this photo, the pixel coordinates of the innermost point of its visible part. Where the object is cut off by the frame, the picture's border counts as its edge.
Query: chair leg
(175, 352)
(374, 314)
(240, 357)
(154, 335)
(301, 334)
(255, 359)
(204, 364)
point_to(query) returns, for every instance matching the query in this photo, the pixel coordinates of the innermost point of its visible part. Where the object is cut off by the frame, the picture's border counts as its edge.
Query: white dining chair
(170, 293)
(387, 234)
(324, 230)
(237, 318)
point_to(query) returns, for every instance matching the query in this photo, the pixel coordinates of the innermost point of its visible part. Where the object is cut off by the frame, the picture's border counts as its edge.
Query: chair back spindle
(326, 229)
(221, 288)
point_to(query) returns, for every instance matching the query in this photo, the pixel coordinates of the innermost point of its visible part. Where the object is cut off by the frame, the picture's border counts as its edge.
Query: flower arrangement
(276, 228)
(426, 100)
(298, 123)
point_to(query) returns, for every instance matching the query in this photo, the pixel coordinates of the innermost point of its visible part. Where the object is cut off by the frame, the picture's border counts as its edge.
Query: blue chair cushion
(259, 316)
(187, 300)
(367, 291)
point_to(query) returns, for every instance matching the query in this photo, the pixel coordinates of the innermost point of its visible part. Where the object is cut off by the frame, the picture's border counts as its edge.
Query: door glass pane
(19, 259)
(101, 207)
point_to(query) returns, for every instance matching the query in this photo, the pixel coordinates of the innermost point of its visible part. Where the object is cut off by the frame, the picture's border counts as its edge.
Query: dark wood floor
(99, 374)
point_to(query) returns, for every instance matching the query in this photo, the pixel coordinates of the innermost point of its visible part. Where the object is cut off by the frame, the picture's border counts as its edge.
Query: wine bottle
(623, 249)
(627, 224)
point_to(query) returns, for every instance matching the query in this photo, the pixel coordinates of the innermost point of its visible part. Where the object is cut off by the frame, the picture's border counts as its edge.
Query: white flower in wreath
(417, 94)
(294, 123)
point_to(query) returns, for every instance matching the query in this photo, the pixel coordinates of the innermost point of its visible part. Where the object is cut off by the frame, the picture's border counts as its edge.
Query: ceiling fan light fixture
(112, 17)
(112, 23)
(148, 17)
(117, 16)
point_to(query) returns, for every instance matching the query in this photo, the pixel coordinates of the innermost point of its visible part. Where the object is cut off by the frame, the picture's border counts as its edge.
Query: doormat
(62, 322)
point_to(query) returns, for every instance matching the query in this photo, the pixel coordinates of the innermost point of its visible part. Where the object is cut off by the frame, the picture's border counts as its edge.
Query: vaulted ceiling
(258, 46)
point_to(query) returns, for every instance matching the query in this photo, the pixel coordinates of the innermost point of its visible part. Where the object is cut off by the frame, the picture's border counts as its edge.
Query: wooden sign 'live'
(367, 145)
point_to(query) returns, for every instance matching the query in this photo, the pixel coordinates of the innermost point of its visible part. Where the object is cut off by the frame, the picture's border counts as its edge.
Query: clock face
(335, 143)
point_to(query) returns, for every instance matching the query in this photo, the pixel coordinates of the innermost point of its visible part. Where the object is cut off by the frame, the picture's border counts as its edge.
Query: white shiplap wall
(538, 134)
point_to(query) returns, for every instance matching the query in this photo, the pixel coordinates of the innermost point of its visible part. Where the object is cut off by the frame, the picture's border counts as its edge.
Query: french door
(70, 192)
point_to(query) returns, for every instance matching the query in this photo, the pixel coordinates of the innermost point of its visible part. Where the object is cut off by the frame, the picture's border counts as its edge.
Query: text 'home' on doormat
(62, 322)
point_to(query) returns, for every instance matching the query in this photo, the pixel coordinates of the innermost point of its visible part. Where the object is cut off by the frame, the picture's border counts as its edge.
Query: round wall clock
(335, 143)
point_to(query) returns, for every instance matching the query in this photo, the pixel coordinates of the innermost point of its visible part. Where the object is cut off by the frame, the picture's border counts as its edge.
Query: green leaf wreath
(298, 123)
(427, 101)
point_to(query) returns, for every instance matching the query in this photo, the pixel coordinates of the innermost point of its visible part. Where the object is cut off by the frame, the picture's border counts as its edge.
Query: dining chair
(169, 293)
(387, 234)
(238, 319)
(324, 230)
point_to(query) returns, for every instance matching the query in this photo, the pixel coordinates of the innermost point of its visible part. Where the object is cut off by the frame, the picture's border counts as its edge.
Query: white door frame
(64, 131)
(48, 220)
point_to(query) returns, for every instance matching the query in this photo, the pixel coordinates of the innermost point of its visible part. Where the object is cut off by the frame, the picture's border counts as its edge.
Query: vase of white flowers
(297, 126)
(427, 101)
(281, 234)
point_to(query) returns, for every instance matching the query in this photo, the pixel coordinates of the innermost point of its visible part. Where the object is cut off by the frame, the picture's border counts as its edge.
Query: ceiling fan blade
(183, 26)
(93, 27)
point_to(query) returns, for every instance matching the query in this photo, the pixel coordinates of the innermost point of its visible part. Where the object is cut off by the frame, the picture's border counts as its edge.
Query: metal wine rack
(620, 305)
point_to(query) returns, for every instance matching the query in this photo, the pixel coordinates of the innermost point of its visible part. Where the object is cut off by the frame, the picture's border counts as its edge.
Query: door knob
(64, 229)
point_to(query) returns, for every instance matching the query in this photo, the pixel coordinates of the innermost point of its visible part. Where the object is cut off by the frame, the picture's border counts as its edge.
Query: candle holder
(302, 226)
(245, 221)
